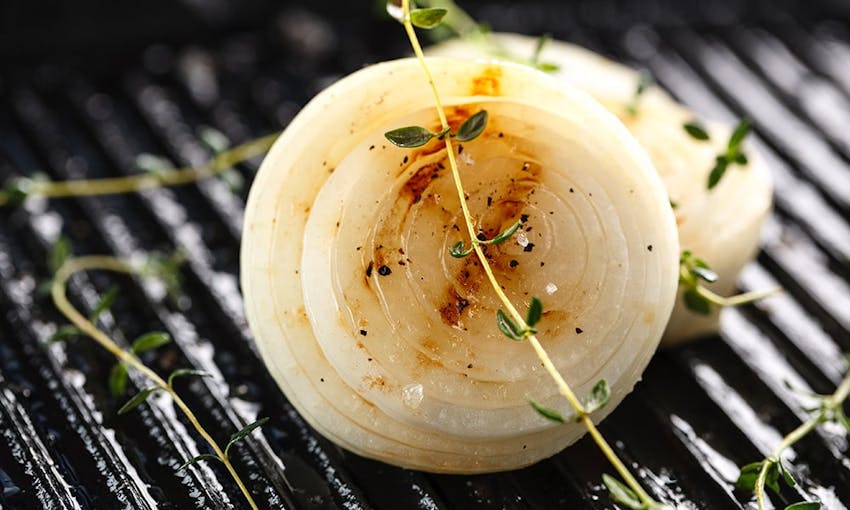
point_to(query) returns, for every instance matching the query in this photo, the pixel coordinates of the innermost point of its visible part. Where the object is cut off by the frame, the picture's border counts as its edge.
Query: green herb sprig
(732, 155)
(769, 471)
(416, 136)
(509, 321)
(128, 359)
(693, 272)
(156, 173)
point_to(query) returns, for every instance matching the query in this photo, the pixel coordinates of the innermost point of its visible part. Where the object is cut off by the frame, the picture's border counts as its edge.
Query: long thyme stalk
(21, 188)
(87, 327)
(581, 412)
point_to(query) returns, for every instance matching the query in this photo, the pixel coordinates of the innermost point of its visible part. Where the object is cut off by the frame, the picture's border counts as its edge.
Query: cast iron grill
(701, 411)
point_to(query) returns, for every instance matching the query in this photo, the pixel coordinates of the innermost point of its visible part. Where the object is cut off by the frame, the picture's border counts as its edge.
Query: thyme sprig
(458, 21)
(518, 322)
(416, 136)
(18, 189)
(732, 155)
(693, 271)
(129, 358)
(769, 471)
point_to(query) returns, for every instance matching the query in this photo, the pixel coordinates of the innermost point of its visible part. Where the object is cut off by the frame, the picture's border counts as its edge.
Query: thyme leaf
(196, 459)
(546, 412)
(138, 399)
(720, 166)
(508, 327)
(458, 251)
(242, 434)
(409, 137)
(118, 377)
(535, 312)
(620, 493)
(150, 341)
(696, 302)
(472, 127)
(16, 190)
(104, 303)
(732, 155)
(697, 131)
(427, 18)
(804, 505)
(186, 372)
(65, 332)
(59, 253)
(503, 235)
(600, 394)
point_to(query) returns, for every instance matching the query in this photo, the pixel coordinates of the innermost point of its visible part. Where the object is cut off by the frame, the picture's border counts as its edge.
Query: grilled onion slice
(388, 345)
(720, 226)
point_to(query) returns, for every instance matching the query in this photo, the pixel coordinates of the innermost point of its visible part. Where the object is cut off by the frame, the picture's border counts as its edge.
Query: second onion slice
(388, 345)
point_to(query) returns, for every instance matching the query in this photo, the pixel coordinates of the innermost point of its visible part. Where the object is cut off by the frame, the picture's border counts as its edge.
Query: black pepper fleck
(405, 159)
(363, 332)
(371, 147)
(528, 247)
(513, 263)
(579, 331)
(649, 247)
(384, 270)
(369, 269)
(460, 149)
(523, 218)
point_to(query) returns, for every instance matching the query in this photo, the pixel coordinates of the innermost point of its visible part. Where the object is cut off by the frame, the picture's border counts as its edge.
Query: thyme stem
(142, 181)
(831, 403)
(563, 387)
(60, 299)
(738, 299)
(691, 281)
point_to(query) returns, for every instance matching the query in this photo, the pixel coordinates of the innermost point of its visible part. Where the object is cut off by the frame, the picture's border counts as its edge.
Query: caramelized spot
(487, 84)
(425, 361)
(302, 314)
(420, 181)
(430, 346)
(452, 310)
(375, 382)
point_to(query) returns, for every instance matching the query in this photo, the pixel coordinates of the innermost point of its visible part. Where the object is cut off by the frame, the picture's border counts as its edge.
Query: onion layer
(385, 343)
(720, 226)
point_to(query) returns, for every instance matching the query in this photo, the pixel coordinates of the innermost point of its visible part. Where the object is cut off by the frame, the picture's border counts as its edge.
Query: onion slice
(385, 343)
(720, 226)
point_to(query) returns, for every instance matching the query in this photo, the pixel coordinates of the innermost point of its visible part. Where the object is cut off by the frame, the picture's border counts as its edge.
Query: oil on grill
(701, 411)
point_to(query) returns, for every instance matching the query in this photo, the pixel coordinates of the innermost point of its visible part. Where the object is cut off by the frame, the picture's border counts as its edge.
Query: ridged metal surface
(701, 411)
